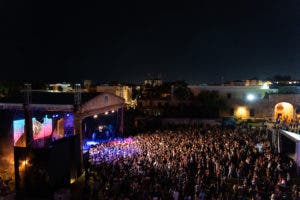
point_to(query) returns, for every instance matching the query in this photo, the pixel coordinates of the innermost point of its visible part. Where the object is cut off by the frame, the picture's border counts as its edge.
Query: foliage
(282, 78)
(181, 91)
(210, 103)
(10, 87)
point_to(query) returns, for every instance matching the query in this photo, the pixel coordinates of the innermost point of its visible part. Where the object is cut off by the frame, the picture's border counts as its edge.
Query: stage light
(25, 162)
(89, 143)
(106, 113)
(250, 97)
(112, 111)
(72, 180)
(95, 116)
(68, 115)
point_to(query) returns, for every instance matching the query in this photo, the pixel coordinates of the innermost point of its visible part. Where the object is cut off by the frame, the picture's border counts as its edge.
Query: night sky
(127, 41)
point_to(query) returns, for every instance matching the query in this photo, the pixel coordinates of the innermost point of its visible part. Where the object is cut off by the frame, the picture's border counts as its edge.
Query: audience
(190, 163)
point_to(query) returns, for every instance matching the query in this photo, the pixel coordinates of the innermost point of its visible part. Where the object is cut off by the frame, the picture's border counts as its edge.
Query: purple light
(115, 150)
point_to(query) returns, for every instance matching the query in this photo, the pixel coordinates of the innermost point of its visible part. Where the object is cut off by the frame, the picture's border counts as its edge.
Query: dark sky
(126, 40)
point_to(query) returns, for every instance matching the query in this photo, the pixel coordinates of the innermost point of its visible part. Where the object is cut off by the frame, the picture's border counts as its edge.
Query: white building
(119, 90)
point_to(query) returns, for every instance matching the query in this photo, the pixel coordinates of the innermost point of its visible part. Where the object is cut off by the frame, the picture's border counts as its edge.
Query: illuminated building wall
(242, 112)
(235, 92)
(153, 82)
(253, 82)
(60, 87)
(284, 111)
(121, 91)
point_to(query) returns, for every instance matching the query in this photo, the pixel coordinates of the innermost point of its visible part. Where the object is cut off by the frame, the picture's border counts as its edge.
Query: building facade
(123, 91)
(256, 101)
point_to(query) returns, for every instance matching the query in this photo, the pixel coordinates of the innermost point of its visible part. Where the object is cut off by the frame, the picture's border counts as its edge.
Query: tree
(181, 91)
(8, 88)
(282, 78)
(210, 103)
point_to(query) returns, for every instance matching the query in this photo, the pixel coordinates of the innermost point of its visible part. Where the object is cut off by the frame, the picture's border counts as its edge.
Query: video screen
(40, 129)
(18, 127)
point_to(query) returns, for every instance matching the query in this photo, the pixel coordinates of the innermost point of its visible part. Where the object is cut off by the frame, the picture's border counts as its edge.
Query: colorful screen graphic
(18, 126)
(39, 130)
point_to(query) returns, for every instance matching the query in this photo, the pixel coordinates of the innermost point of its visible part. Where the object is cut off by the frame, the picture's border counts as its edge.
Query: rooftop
(59, 98)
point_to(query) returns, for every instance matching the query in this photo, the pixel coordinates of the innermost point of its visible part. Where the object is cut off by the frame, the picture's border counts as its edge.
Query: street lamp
(251, 97)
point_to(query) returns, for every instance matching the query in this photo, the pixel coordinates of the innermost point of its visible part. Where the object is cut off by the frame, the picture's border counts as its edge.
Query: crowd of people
(288, 125)
(191, 163)
(293, 126)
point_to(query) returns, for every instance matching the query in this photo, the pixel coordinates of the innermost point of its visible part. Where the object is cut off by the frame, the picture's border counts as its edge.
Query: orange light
(72, 180)
(242, 112)
(25, 162)
(284, 110)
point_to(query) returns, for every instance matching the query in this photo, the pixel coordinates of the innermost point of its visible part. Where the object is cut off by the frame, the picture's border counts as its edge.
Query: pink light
(18, 126)
(41, 130)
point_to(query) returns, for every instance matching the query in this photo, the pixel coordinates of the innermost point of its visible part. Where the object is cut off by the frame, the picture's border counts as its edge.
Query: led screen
(39, 130)
(18, 126)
